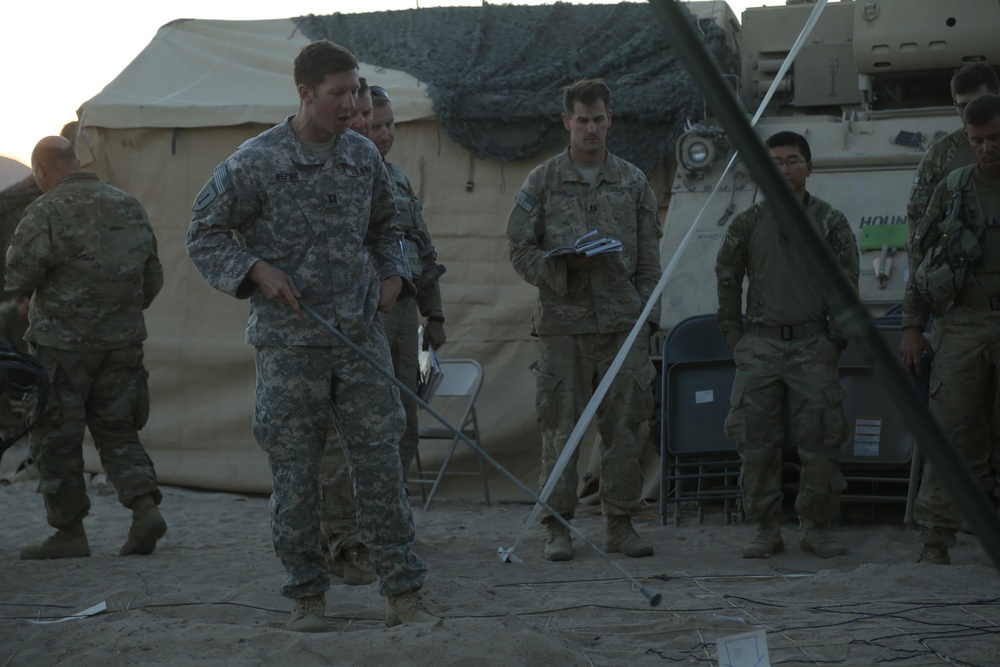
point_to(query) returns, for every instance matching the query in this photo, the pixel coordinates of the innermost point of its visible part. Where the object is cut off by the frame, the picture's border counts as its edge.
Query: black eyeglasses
(379, 91)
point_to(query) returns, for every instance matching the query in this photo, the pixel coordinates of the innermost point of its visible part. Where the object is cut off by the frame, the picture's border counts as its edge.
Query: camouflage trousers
(106, 393)
(802, 372)
(303, 392)
(339, 522)
(568, 370)
(965, 368)
(984, 459)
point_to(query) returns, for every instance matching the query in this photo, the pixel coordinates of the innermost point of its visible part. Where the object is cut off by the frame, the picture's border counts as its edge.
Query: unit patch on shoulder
(525, 201)
(220, 182)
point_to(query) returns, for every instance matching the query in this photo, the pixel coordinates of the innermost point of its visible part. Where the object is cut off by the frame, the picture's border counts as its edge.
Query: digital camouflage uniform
(583, 317)
(88, 253)
(967, 353)
(942, 158)
(786, 353)
(339, 521)
(327, 223)
(12, 329)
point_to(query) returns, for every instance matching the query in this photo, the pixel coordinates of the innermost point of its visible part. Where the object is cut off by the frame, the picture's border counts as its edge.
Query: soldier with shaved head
(87, 254)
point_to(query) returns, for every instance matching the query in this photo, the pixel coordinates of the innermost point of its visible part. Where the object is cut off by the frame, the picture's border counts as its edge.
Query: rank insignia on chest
(331, 199)
(287, 176)
(592, 208)
(525, 201)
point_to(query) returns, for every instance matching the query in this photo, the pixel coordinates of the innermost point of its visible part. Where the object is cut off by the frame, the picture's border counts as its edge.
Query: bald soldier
(87, 254)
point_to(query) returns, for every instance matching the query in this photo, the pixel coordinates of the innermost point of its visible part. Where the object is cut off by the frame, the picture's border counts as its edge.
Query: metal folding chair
(455, 400)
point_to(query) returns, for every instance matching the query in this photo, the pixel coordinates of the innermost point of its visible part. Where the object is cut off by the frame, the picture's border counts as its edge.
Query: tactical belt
(979, 301)
(788, 331)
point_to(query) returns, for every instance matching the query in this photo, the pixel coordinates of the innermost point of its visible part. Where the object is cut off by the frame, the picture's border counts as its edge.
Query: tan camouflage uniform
(88, 253)
(583, 317)
(966, 357)
(339, 520)
(327, 223)
(785, 353)
(943, 157)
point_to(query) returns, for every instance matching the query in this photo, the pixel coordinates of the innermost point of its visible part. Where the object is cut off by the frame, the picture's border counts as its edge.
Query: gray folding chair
(455, 400)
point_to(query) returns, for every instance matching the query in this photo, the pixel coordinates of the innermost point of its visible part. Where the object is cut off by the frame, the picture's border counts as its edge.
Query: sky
(56, 55)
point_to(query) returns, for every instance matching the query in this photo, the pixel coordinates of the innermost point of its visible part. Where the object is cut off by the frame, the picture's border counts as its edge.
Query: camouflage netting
(495, 73)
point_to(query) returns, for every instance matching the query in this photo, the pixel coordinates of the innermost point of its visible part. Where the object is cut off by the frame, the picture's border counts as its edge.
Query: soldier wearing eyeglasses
(788, 352)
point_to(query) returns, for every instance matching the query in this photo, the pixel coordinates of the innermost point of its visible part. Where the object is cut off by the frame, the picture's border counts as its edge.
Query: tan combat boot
(68, 542)
(559, 546)
(148, 526)
(767, 541)
(621, 537)
(816, 539)
(354, 564)
(308, 614)
(934, 554)
(407, 608)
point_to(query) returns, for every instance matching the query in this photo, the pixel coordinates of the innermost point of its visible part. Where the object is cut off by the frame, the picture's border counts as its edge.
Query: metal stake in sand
(652, 596)
(605, 384)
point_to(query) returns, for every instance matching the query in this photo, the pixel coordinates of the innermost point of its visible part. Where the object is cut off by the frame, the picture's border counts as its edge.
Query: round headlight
(698, 153)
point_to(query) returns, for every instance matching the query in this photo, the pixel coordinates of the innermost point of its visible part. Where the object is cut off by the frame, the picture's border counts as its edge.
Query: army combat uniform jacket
(327, 223)
(783, 291)
(557, 206)
(943, 157)
(420, 253)
(88, 252)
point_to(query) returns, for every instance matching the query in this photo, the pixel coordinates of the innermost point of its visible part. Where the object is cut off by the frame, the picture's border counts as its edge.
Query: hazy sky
(56, 55)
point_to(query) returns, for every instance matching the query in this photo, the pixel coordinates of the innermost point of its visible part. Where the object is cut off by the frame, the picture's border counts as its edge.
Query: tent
(183, 105)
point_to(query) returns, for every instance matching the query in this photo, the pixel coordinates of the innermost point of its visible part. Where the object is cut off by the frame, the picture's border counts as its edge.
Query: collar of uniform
(610, 171)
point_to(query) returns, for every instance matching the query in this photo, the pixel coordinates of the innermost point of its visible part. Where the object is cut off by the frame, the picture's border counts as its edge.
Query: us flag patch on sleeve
(525, 201)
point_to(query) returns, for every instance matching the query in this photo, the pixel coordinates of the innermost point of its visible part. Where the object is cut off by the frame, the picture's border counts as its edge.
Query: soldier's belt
(788, 331)
(979, 301)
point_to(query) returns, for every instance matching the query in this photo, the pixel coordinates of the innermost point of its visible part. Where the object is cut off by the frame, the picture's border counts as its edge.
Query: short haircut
(970, 78)
(982, 110)
(787, 138)
(320, 58)
(53, 155)
(586, 91)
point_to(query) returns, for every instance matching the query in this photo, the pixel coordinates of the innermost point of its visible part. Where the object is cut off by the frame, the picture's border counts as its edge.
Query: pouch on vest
(942, 273)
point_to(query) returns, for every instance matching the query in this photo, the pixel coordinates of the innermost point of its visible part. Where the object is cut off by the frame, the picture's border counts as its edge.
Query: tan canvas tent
(160, 128)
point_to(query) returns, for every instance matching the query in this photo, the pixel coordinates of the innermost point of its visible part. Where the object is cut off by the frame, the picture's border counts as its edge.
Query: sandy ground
(208, 595)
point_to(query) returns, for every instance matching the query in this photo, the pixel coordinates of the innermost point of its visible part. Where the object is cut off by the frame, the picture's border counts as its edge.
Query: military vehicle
(869, 90)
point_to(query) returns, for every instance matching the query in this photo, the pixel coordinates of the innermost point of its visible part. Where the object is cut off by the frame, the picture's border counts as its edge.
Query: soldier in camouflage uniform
(968, 346)
(586, 309)
(349, 555)
(790, 351)
(304, 211)
(87, 253)
(942, 158)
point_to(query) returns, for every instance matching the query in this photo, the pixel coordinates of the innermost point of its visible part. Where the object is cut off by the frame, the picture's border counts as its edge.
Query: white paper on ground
(90, 611)
(748, 649)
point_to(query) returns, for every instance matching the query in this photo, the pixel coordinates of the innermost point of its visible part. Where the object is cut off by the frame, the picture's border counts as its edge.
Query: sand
(209, 595)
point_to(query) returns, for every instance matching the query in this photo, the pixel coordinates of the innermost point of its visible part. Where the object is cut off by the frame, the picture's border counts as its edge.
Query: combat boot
(308, 614)
(934, 554)
(559, 546)
(407, 608)
(354, 565)
(148, 526)
(68, 542)
(816, 539)
(621, 537)
(767, 541)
